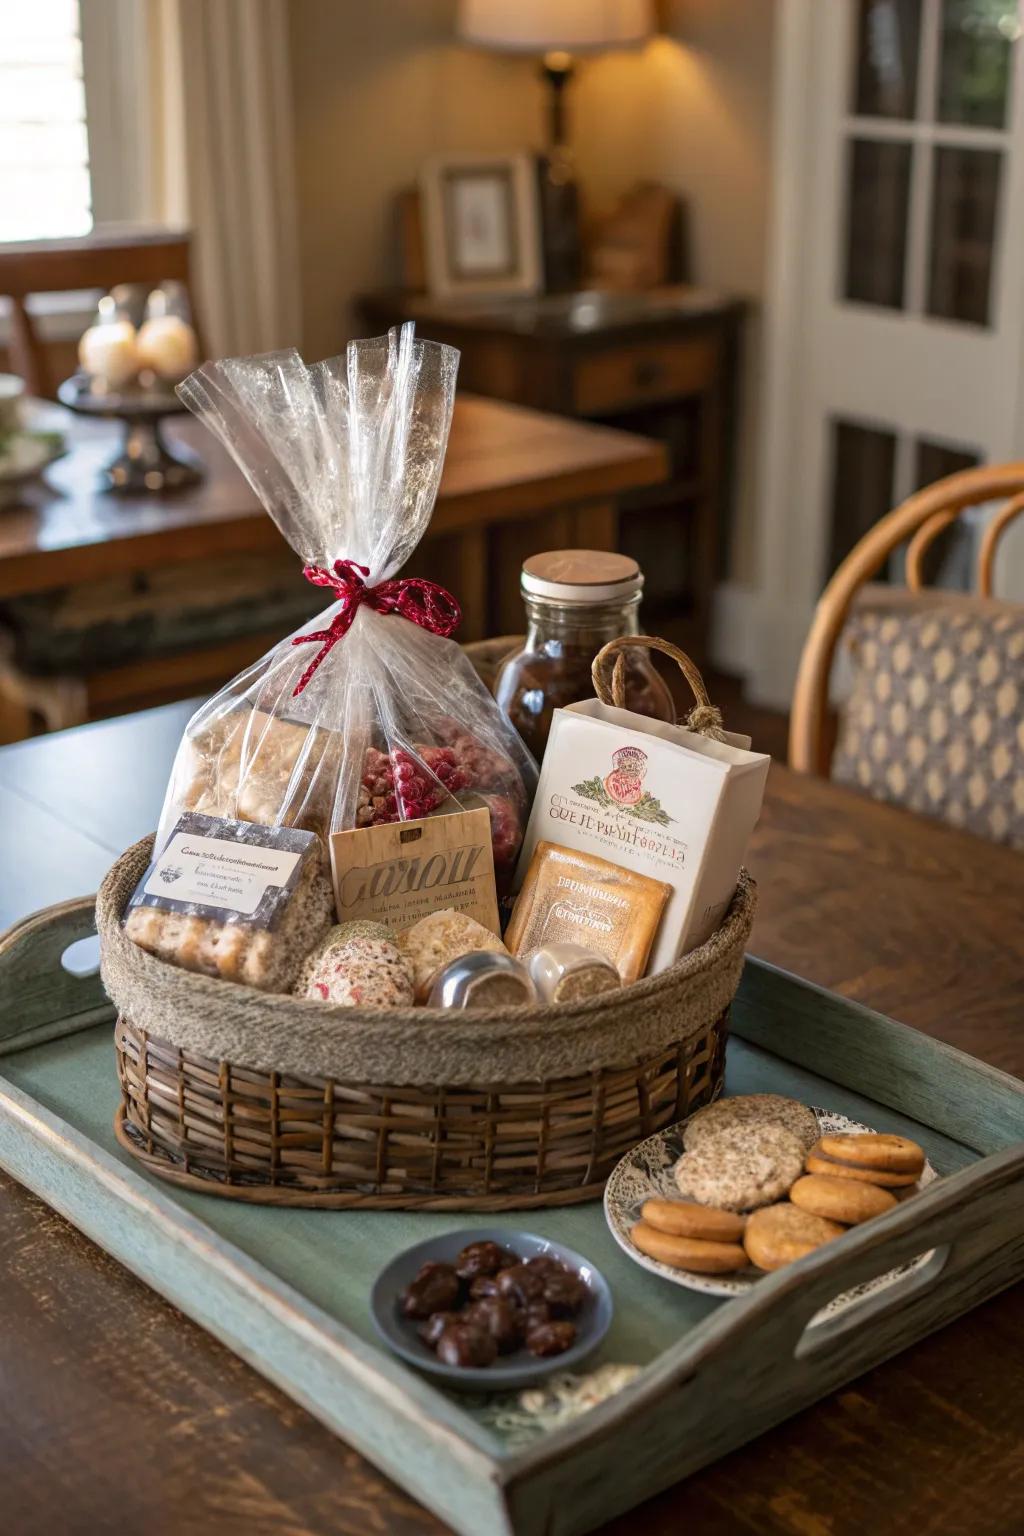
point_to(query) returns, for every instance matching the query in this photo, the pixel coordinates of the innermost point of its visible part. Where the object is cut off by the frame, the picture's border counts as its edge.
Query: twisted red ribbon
(423, 602)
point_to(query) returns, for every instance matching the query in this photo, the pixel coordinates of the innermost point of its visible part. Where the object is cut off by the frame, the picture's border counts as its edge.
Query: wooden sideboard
(661, 363)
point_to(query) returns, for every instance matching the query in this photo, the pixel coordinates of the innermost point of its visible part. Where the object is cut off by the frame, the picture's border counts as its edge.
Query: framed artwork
(481, 224)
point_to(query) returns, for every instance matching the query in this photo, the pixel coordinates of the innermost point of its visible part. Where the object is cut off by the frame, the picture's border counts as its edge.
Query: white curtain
(223, 163)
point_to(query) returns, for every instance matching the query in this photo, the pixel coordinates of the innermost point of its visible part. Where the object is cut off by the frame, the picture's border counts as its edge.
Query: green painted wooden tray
(288, 1289)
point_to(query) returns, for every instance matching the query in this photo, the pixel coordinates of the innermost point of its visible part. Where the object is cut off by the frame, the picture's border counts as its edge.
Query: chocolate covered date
(435, 1289)
(550, 1339)
(466, 1344)
(435, 1325)
(502, 1320)
(482, 1259)
(564, 1293)
(522, 1284)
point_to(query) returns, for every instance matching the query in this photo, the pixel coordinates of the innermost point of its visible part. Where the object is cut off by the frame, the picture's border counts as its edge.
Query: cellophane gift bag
(369, 713)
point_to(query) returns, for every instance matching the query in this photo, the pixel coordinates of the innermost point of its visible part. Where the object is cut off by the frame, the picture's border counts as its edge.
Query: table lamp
(556, 31)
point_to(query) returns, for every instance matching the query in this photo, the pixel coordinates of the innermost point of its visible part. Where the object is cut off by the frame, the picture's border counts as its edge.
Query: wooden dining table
(507, 469)
(117, 1414)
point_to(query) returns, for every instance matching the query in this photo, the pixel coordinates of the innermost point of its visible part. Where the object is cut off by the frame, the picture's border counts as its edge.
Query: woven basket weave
(273, 1099)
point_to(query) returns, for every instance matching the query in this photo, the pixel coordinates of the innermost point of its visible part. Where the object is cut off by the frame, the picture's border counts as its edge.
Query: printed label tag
(404, 870)
(218, 873)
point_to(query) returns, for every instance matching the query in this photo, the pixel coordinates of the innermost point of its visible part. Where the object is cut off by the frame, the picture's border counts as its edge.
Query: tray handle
(40, 997)
(963, 1221)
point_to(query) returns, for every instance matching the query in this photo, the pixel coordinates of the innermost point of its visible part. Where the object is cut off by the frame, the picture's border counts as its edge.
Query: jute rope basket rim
(270, 1032)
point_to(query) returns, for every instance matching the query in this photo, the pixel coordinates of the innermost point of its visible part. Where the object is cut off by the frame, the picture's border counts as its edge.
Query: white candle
(167, 344)
(109, 353)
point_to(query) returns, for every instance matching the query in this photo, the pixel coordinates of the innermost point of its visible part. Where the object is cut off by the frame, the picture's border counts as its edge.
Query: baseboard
(759, 640)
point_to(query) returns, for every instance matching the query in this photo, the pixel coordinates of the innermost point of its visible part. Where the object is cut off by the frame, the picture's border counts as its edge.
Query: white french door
(899, 254)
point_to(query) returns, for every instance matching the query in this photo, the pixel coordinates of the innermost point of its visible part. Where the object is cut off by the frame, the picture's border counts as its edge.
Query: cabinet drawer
(622, 377)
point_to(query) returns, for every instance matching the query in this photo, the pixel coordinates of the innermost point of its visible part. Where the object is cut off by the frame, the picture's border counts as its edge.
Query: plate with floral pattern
(646, 1174)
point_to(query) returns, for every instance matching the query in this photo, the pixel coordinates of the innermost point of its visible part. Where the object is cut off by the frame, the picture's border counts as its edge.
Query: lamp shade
(543, 26)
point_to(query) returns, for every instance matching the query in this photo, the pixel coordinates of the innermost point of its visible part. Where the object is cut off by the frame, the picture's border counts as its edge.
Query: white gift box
(657, 798)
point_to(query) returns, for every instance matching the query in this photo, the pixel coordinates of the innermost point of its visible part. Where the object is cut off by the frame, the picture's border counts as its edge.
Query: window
(928, 133)
(45, 187)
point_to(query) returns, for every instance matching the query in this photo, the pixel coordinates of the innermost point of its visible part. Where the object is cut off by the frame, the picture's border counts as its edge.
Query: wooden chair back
(920, 519)
(93, 261)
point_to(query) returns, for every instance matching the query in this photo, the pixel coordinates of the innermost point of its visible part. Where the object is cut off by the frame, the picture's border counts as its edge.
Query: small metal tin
(568, 973)
(483, 979)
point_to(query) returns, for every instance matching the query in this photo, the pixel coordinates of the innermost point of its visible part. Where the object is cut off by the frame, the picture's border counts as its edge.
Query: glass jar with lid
(576, 600)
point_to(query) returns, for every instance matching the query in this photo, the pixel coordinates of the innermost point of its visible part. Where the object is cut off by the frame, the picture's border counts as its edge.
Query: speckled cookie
(738, 1169)
(357, 973)
(779, 1234)
(753, 1109)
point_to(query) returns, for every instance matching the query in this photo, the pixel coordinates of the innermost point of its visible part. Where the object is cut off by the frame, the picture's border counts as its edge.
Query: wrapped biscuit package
(573, 897)
(370, 713)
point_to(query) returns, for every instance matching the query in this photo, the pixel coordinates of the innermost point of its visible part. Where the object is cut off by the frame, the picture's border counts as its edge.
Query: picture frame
(481, 223)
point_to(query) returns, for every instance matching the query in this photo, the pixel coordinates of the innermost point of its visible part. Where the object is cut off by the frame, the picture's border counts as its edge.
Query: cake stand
(145, 463)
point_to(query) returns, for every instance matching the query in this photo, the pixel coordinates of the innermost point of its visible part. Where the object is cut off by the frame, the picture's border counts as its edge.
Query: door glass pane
(876, 222)
(888, 38)
(964, 201)
(974, 64)
(949, 561)
(934, 461)
(863, 465)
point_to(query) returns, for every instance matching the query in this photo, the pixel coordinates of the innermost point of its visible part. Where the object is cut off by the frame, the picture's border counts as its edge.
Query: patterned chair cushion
(934, 719)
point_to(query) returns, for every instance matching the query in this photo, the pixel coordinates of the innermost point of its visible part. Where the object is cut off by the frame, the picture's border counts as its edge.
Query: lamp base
(560, 223)
(559, 196)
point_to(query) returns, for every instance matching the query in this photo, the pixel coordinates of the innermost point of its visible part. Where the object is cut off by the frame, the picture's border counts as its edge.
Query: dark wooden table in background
(117, 1415)
(505, 467)
(515, 482)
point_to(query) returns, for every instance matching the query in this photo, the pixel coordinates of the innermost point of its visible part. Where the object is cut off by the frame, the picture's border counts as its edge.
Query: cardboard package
(657, 798)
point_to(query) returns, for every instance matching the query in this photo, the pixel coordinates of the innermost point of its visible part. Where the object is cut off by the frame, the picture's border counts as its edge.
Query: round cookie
(827, 1165)
(892, 1154)
(779, 1234)
(847, 1200)
(737, 1169)
(684, 1219)
(753, 1109)
(705, 1258)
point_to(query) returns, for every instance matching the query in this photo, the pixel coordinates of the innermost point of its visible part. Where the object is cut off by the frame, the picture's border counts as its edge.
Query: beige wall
(380, 83)
(694, 111)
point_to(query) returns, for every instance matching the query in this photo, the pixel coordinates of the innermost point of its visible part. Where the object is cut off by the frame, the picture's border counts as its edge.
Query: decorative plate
(646, 1173)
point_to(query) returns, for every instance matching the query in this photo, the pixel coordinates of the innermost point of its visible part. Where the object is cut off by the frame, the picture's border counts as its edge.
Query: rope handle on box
(609, 674)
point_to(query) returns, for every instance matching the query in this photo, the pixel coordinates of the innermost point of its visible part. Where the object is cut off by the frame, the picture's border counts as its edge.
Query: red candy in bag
(369, 713)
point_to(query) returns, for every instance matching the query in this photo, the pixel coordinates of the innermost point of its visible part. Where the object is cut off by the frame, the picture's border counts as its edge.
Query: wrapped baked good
(370, 713)
(240, 902)
(356, 971)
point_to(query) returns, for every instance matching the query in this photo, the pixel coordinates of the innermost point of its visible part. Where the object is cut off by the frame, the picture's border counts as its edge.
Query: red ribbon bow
(423, 602)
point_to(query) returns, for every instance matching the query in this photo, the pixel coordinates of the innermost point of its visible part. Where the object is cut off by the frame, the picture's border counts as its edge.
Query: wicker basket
(535, 1106)
(288, 1102)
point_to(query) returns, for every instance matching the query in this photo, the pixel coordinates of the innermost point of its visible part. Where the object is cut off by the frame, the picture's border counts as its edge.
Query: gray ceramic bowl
(509, 1372)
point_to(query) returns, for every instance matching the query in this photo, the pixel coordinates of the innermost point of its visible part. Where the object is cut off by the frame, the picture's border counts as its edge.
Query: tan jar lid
(581, 575)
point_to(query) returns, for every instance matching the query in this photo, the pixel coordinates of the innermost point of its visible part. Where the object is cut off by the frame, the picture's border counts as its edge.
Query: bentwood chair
(932, 720)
